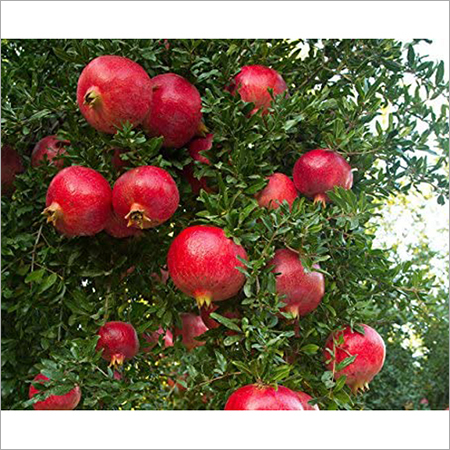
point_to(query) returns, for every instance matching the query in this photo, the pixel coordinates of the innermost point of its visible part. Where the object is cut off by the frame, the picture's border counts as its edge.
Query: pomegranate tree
(206, 312)
(196, 149)
(11, 166)
(117, 162)
(192, 326)
(50, 148)
(118, 227)
(153, 338)
(202, 263)
(305, 398)
(279, 188)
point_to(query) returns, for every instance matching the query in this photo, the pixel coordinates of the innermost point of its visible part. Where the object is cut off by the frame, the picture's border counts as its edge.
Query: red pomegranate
(206, 311)
(252, 84)
(117, 227)
(196, 149)
(11, 166)
(118, 341)
(195, 183)
(49, 147)
(176, 385)
(78, 201)
(255, 397)
(305, 398)
(117, 162)
(202, 263)
(192, 326)
(113, 90)
(303, 291)
(146, 196)
(67, 401)
(175, 112)
(369, 350)
(279, 188)
(319, 171)
(153, 338)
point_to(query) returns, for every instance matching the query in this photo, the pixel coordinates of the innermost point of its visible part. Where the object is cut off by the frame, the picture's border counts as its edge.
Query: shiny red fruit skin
(371, 353)
(117, 227)
(175, 112)
(49, 147)
(119, 342)
(305, 398)
(263, 398)
(153, 338)
(148, 189)
(202, 263)
(67, 401)
(252, 84)
(113, 90)
(205, 313)
(279, 188)
(11, 166)
(319, 171)
(303, 291)
(192, 326)
(81, 200)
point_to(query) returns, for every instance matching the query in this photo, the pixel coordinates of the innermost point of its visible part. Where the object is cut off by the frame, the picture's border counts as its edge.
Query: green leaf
(35, 276)
(225, 321)
(310, 349)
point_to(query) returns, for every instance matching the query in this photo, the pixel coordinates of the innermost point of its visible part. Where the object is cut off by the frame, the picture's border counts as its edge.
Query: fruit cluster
(202, 261)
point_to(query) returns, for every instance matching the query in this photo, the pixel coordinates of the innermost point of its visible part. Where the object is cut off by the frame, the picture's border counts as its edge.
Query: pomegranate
(196, 148)
(303, 291)
(202, 263)
(49, 147)
(192, 326)
(369, 350)
(118, 341)
(252, 84)
(117, 162)
(255, 397)
(206, 311)
(424, 401)
(176, 385)
(146, 196)
(195, 183)
(11, 166)
(175, 112)
(153, 338)
(113, 90)
(67, 401)
(78, 201)
(161, 277)
(319, 171)
(117, 227)
(305, 398)
(279, 188)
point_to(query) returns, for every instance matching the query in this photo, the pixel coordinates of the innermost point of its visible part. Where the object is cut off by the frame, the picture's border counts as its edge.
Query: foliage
(57, 292)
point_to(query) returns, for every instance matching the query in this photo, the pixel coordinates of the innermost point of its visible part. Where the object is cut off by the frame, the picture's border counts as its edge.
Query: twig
(217, 378)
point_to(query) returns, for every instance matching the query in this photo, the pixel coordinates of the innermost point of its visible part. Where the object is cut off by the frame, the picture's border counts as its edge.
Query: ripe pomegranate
(303, 291)
(117, 162)
(49, 147)
(118, 341)
(206, 311)
(146, 196)
(192, 326)
(78, 201)
(319, 171)
(202, 263)
(113, 90)
(67, 401)
(117, 227)
(255, 397)
(195, 147)
(11, 166)
(252, 84)
(370, 351)
(279, 188)
(195, 183)
(305, 398)
(175, 112)
(153, 338)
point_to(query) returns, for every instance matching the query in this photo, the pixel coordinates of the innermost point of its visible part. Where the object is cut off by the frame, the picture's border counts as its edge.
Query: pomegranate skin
(202, 263)
(370, 351)
(118, 341)
(49, 147)
(113, 90)
(117, 162)
(78, 201)
(175, 112)
(305, 398)
(205, 313)
(11, 166)
(279, 188)
(117, 227)
(252, 84)
(319, 171)
(303, 291)
(153, 338)
(68, 401)
(254, 397)
(146, 196)
(198, 145)
(192, 326)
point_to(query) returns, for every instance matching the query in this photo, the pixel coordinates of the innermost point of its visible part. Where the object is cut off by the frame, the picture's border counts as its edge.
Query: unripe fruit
(252, 84)
(254, 397)
(117, 227)
(153, 338)
(279, 188)
(118, 341)
(175, 111)
(305, 398)
(319, 171)
(49, 147)
(303, 291)
(113, 90)
(370, 354)
(78, 201)
(11, 166)
(202, 263)
(67, 401)
(145, 196)
(191, 328)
